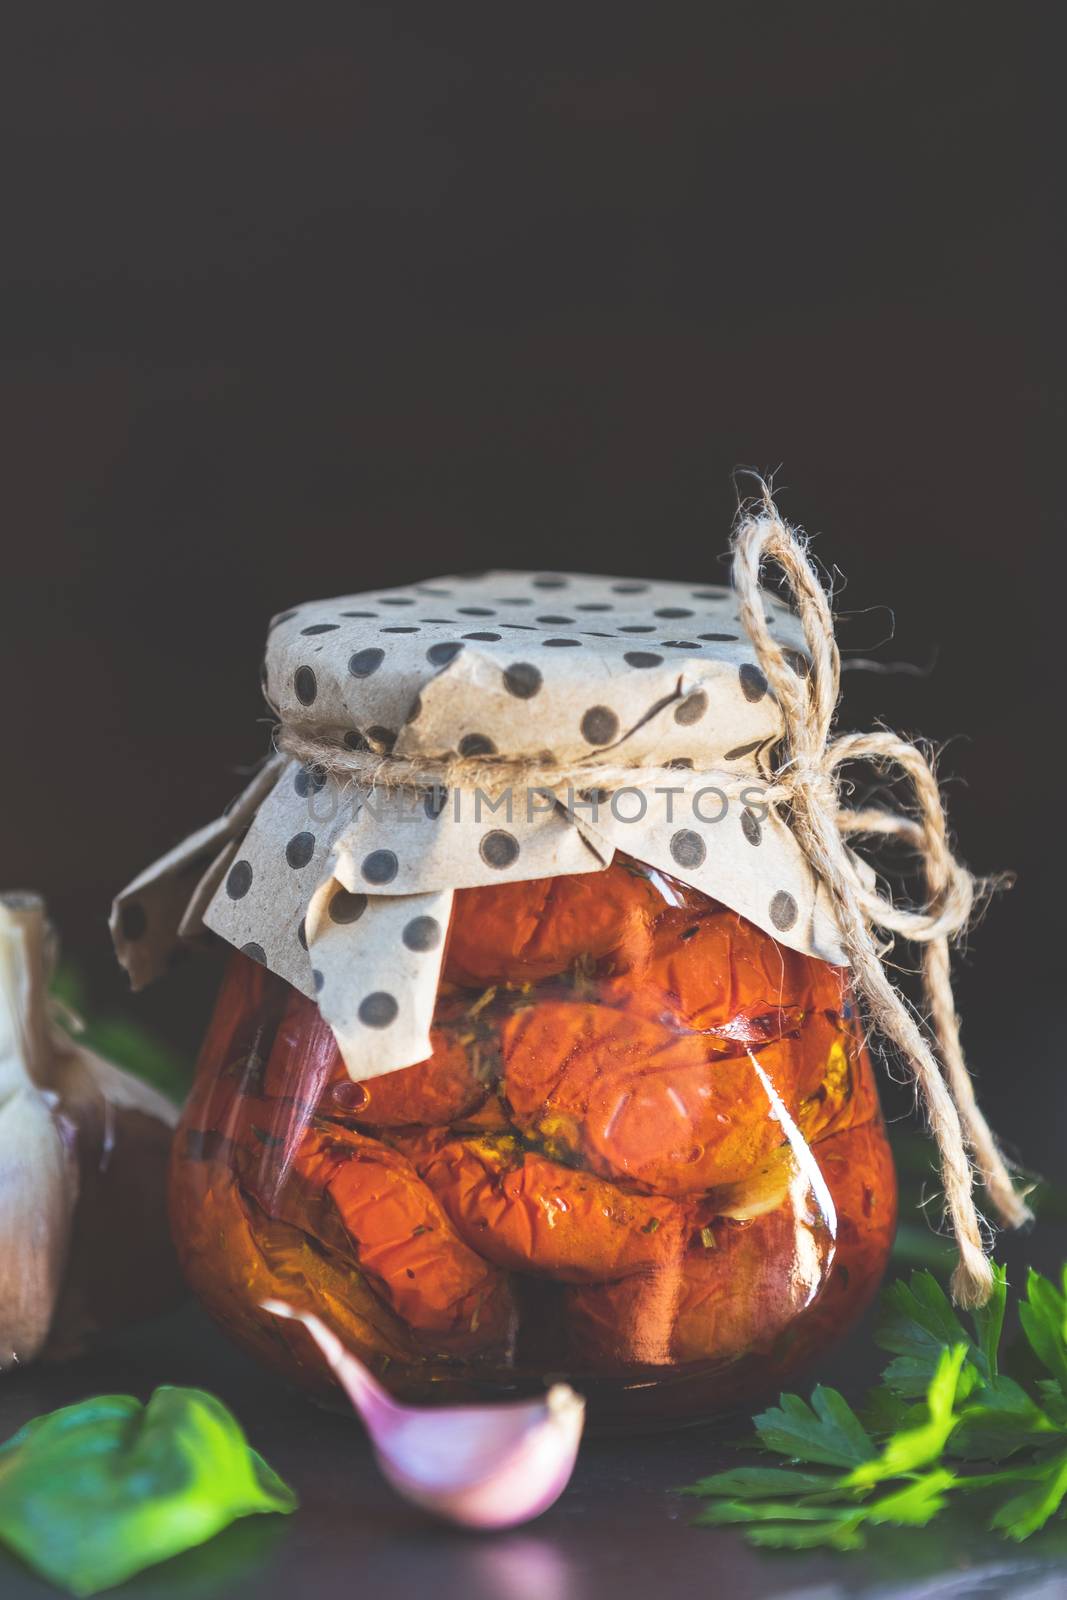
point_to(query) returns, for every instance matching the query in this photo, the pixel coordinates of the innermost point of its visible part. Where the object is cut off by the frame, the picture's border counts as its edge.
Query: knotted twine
(807, 779)
(807, 788)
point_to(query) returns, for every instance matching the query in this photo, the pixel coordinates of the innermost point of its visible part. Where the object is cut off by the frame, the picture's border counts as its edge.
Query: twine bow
(807, 778)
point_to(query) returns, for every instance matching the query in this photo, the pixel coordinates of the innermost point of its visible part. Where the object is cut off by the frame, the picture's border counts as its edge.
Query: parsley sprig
(944, 1423)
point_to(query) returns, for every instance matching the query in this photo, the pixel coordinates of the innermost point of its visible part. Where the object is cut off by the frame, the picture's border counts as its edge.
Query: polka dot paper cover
(346, 892)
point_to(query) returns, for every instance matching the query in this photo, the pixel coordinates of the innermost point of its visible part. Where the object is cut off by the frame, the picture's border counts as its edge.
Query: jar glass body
(645, 1154)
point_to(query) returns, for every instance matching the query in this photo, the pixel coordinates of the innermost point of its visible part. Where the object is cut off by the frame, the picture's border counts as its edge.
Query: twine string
(808, 778)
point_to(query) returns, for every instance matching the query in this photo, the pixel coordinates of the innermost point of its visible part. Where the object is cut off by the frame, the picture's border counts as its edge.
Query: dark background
(349, 297)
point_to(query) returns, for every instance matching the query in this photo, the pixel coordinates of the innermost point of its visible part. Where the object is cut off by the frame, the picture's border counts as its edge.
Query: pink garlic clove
(481, 1466)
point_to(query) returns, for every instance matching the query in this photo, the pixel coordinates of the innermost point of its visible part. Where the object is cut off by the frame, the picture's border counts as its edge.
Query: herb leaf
(759, 1483)
(943, 1408)
(95, 1492)
(918, 1324)
(906, 1451)
(827, 1431)
(1043, 1315)
(1027, 1512)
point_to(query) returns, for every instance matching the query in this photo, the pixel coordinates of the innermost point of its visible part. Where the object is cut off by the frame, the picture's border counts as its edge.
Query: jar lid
(529, 665)
(344, 887)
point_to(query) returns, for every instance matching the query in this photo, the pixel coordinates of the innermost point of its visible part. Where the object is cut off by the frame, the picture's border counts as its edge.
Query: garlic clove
(38, 1187)
(38, 1169)
(481, 1466)
(84, 1241)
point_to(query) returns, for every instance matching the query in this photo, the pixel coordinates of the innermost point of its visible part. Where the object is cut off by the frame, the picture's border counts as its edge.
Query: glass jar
(645, 1154)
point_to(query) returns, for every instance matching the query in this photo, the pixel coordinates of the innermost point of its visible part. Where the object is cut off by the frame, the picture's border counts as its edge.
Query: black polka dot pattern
(346, 907)
(422, 934)
(688, 848)
(300, 849)
(378, 1010)
(753, 683)
(309, 780)
(239, 880)
(600, 725)
(380, 867)
(522, 680)
(434, 802)
(692, 708)
(662, 671)
(255, 951)
(365, 662)
(783, 911)
(476, 744)
(499, 849)
(305, 685)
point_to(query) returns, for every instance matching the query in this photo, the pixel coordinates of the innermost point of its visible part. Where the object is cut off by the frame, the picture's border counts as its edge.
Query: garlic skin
(480, 1466)
(38, 1188)
(38, 1169)
(83, 1146)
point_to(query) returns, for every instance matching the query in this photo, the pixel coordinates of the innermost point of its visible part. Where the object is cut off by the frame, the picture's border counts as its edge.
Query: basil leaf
(97, 1491)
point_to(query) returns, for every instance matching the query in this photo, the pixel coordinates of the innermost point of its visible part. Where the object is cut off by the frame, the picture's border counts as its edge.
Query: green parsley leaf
(827, 1431)
(759, 1483)
(95, 1492)
(916, 1447)
(989, 1320)
(1043, 1315)
(918, 1324)
(1027, 1512)
(943, 1409)
(1001, 1419)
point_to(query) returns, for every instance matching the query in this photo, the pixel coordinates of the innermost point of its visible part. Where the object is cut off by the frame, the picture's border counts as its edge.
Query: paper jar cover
(346, 893)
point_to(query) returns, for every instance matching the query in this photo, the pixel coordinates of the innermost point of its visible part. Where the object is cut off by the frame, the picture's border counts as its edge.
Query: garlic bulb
(38, 1169)
(83, 1146)
(481, 1466)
